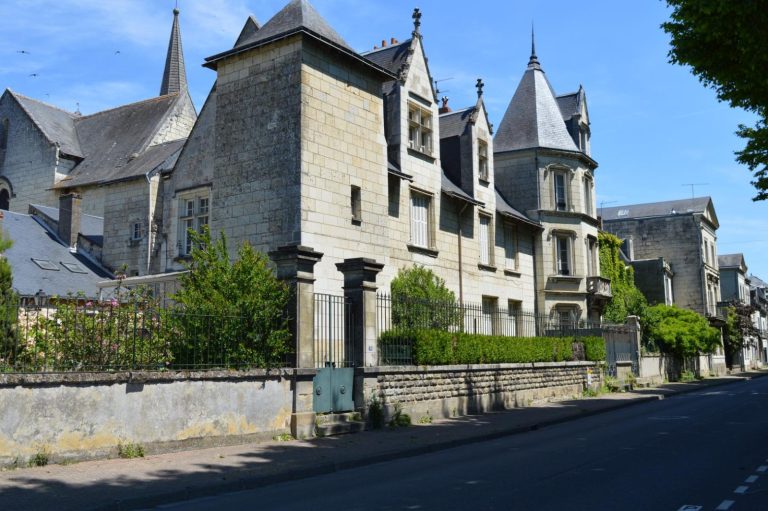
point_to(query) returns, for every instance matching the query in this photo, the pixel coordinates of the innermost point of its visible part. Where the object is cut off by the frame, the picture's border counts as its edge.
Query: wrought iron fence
(333, 331)
(401, 314)
(84, 336)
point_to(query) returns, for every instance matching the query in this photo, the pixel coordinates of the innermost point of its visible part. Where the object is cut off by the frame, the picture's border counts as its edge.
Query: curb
(332, 467)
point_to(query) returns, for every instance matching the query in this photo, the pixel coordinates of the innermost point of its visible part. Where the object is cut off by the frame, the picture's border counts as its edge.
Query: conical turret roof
(175, 74)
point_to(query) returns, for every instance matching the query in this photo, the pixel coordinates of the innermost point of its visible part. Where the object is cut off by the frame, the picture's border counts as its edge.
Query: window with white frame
(588, 196)
(419, 129)
(482, 160)
(486, 240)
(421, 220)
(591, 246)
(514, 308)
(668, 297)
(510, 246)
(489, 319)
(563, 254)
(566, 317)
(560, 191)
(193, 216)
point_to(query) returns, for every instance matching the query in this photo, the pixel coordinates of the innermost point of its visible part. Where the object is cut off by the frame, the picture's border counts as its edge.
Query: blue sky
(654, 127)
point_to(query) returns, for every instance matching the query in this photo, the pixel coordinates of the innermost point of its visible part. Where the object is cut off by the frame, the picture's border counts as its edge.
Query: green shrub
(129, 450)
(594, 348)
(420, 299)
(681, 331)
(437, 347)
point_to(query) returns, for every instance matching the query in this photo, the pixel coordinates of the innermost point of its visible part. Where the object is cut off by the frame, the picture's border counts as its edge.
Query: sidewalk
(144, 482)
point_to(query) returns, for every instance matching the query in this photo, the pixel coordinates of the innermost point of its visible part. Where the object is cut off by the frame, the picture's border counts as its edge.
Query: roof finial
(533, 62)
(176, 9)
(479, 86)
(416, 21)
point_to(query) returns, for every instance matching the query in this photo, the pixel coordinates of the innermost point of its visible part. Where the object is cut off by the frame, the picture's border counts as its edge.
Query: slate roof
(90, 225)
(730, 260)
(568, 104)
(249, 30)
(57, 125)
(175, 74)
(504, 208)
(114, 142)
(452, 190)
(533, 117)
(652, 209)
(392, 58)
(757, 282)
(32, 240)
(455, 123)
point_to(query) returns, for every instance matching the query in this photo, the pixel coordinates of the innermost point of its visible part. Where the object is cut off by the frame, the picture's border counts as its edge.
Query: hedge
(437, 347)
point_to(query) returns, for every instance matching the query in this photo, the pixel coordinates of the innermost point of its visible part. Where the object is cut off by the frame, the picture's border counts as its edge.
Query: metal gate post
(295, 265)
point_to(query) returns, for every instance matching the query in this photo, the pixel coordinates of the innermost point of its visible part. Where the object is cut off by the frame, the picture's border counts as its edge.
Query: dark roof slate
(175, 74)
(296, 15)
(32, 240)
(452, 190)
(392, 58)
(114, 141)
(533, 118)
(455, 124)
(568, 104)
(652, 209)
(504, 208)
(249, 30)
(90, 226)
(730, 260)
(57, 125)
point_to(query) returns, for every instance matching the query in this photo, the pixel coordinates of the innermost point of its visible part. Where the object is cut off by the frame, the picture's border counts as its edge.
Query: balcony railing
(599, 286)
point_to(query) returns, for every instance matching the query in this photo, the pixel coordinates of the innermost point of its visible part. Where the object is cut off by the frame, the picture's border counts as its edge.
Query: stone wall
(82, 416)
(449, 391)
(126, 204)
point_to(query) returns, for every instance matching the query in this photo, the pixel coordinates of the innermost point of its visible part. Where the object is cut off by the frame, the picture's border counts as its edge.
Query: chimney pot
(69, 218)
(383, 43)
(393, 41)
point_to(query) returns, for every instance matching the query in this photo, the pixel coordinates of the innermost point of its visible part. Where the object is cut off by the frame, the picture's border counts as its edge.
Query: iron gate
(334, 356)
(620, 346)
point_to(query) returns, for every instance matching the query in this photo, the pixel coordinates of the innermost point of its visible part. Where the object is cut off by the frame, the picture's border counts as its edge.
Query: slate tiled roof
(32, 240)
(757, 282)
(652, 209)
(392, 58)
(504, 208)
(57, 125)
(452, 190)
(569, 104)
(730, 260)
(114, 141)
(175, 74)
(90, 225)
(455, 123)
(249, 30)
(533, 118)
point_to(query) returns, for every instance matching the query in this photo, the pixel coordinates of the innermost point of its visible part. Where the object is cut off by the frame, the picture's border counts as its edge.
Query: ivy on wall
(627, 299)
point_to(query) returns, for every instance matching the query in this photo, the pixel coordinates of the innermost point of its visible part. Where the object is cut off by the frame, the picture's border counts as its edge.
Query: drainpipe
(535, 287)
(149, 222)
(461, 264)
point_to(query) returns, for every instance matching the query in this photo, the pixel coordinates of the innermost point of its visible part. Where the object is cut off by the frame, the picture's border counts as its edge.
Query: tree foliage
(738, 329)
(8, 304)
(725, 42)
(420, 299)
(233, 312)
(627, 299)
(680, 331)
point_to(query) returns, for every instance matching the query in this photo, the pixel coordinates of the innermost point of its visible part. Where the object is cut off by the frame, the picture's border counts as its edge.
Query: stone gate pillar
(360, 289)
(295, 265)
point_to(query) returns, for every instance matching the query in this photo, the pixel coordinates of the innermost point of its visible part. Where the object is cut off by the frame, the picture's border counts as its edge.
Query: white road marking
(724, 505)
(762, 468)
(741, 490)
(750, 479)
(689, 507)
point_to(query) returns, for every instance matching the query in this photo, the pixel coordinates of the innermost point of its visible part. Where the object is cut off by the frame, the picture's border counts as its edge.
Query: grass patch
(130, 450)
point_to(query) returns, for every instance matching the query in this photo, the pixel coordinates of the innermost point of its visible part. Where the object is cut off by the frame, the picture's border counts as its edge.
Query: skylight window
(45, 264)
(74, 267)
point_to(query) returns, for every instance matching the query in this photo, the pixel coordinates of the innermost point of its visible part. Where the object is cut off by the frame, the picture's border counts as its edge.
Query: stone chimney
(69, 218)
(445, 109)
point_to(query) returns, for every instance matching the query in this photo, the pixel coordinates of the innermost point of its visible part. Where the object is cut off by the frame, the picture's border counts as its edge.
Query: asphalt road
(700, 451)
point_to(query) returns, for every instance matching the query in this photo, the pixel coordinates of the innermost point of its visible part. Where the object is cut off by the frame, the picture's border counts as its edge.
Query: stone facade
(449, 391)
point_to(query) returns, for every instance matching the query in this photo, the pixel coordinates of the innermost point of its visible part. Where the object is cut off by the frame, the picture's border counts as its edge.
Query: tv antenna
(437, 88)
(603, 203)
(693, 187)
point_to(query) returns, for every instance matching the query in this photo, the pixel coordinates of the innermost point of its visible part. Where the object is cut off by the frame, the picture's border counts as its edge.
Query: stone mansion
(304, 141)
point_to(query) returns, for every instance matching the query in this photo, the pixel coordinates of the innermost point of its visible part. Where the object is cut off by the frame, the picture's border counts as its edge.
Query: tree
(421, 300)
(627, 299)
(725, 42)
(232, 313)
(680, 331)
(9, 314)
(738, 328)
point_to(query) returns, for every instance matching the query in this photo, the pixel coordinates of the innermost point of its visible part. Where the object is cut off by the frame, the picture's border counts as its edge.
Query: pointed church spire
(533, 62)
(175, 75)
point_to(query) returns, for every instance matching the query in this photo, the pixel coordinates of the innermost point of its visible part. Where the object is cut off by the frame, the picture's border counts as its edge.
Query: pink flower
(89, 304)
(113, 302)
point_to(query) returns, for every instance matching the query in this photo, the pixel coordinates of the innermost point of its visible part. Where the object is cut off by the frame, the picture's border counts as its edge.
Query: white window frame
(482, 161)
(557, 174)
(588, 184)
(511, 247)
(421, 219)
(485, 238)
(194, 214)
(567, 239)
(514, 310)
(420, 129)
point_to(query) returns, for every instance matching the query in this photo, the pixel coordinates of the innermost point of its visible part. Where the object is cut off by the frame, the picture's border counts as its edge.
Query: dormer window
(419, 129)
(482, 160)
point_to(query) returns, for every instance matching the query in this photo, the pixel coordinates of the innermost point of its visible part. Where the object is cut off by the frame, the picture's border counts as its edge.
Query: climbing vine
(627, 299)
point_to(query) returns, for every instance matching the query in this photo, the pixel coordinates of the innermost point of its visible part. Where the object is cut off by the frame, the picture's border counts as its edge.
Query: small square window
(419, 129)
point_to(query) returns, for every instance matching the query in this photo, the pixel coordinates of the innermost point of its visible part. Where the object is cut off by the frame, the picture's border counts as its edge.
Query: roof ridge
(54, 207)
(148, 100)
(659, 202)
(49, 105)
(376, 50)
(458, 111)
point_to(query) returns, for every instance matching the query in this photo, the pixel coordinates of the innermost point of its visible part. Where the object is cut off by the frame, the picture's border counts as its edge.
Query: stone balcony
(599, 288)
